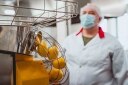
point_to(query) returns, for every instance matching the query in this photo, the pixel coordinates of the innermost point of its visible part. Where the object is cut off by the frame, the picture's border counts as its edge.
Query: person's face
(92, 12)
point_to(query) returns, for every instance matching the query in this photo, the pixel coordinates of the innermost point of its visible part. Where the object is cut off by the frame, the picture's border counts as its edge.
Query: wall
(123, 30)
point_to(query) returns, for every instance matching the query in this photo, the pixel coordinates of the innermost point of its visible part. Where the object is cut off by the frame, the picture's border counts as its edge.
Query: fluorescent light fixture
(9, 12)
(8, 2)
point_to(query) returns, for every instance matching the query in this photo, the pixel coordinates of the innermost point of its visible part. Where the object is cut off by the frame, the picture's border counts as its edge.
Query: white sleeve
(64, 44)
(119, 66)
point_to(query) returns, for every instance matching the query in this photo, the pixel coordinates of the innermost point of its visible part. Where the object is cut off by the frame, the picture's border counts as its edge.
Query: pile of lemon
(52, 54)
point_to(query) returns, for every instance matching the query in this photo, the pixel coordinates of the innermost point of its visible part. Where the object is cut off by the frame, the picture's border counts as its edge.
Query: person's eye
(93, 13)
(84, 13)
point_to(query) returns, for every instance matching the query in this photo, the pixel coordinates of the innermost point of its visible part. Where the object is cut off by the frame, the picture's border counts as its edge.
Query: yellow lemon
(37, 41)
(52, 52)
(42, 49)
(55, 74)
(38, 38)
(59, 63)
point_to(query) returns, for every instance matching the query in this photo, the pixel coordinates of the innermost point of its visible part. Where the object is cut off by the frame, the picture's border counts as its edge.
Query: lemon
(55, 74)
(42, 49)
(38, 38)
(52, 52)
(59, 63)
(37, 41)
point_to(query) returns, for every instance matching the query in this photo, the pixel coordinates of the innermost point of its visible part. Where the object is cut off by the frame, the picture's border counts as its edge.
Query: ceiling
(109, 8)
(112, 8)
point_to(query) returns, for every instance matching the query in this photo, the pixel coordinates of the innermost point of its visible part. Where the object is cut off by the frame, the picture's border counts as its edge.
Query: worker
(94, 57)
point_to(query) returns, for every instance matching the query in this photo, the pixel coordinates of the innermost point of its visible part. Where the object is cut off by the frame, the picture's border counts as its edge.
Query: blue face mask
(87, 21)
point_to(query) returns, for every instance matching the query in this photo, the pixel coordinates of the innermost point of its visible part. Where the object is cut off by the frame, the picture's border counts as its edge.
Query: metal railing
(43, 19)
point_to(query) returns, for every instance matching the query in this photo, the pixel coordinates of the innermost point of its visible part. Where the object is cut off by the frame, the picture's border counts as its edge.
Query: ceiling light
(9, 12)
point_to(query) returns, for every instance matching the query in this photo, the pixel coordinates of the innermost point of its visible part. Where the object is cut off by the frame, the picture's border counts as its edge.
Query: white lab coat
(100, 62)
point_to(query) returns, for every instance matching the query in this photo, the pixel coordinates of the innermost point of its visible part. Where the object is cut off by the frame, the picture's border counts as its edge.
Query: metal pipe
(46, 20)
(35, 9)
(18, 21)
(16, 11)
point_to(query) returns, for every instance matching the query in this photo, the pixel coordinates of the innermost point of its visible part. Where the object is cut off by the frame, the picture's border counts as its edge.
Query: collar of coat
(100, 32)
